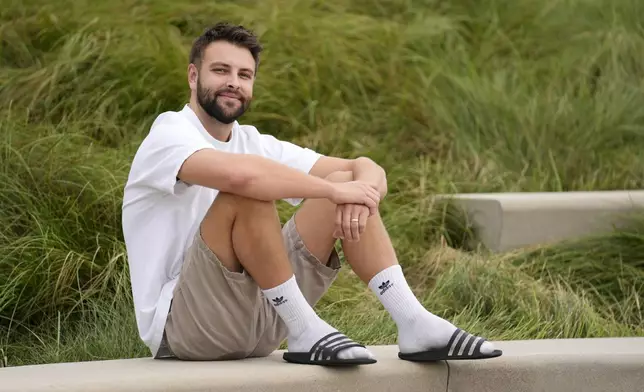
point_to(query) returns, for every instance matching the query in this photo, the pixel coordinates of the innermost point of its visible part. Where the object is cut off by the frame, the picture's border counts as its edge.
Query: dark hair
(235, 34)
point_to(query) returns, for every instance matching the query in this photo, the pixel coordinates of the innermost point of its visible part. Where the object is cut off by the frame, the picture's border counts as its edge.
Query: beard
(208, 101)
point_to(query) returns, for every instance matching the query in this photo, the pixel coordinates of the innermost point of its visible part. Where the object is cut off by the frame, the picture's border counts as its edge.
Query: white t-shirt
(161, 214)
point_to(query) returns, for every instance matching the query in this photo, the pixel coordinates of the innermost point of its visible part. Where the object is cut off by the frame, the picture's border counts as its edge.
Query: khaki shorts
(217, 314)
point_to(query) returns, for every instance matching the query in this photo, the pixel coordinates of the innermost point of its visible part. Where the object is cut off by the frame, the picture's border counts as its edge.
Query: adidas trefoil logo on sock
(385, 286)
(279, 301)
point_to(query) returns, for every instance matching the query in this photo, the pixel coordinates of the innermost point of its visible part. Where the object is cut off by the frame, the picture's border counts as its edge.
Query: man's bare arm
(260, 178)
(364, 169)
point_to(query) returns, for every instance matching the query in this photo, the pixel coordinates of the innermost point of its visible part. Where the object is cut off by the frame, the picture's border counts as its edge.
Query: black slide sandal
(462, 345)
(325, 352)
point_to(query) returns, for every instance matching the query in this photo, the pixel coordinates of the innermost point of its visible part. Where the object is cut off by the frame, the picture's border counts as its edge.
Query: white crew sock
(418, 329)
(304, 325)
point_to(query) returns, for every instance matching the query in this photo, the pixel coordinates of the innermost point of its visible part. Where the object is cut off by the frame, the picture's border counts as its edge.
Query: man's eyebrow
(219, 63)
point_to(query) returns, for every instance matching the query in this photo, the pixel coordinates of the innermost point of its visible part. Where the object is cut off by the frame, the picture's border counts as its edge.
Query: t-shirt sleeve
(161, 155)
(289, 154)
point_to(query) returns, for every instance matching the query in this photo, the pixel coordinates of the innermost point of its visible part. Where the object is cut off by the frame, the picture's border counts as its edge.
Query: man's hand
(350, 221)
(356, 192)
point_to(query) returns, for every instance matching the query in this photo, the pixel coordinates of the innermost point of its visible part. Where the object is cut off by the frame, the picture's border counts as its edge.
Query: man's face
(225, 81)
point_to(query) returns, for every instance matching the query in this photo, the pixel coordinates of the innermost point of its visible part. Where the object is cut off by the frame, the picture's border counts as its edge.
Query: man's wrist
(366, 170)
(329, 189)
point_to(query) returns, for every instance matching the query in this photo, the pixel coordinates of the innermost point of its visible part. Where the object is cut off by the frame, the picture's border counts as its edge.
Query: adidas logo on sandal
(385, 286)
(279, 301)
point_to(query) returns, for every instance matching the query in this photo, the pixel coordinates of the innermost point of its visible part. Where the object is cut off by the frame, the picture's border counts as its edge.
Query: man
(214, 275)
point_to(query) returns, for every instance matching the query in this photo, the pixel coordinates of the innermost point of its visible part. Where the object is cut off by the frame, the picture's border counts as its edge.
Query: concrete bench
(506, 221)
(589, 365)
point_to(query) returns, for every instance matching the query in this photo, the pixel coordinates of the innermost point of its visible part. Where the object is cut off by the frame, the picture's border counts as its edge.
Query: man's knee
(216, 228)
(340, 176)
(240, 204)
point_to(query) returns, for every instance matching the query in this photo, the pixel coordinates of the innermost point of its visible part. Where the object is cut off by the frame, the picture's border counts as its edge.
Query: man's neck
(219, 131)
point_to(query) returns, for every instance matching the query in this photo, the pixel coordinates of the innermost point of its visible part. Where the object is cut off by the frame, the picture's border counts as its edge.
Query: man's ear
(193, 75)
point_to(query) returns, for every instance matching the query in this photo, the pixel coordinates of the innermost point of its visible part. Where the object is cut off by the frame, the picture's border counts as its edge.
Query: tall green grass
(458, 96)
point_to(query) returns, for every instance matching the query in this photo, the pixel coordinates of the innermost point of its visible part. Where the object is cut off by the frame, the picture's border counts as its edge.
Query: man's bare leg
(374, 261)
(246, 234)
(315, 221)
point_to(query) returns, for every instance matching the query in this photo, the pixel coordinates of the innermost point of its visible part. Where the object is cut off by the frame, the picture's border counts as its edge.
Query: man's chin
(227, 118)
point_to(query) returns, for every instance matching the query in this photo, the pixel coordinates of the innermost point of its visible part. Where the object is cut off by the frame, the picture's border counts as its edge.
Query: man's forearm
(252, 176)
(269, 180)
(366, 170)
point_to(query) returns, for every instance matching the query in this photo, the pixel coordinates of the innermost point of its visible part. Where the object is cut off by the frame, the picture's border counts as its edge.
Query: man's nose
(233, 82)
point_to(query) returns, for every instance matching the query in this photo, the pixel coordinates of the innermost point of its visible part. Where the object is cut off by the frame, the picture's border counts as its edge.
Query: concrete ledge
(563, 365)
(587, 365)
(270, 374)
(506, 221)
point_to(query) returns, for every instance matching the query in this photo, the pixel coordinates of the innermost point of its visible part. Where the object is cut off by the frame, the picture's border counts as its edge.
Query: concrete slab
(507, 221)
(270, 374)
(566, 365)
